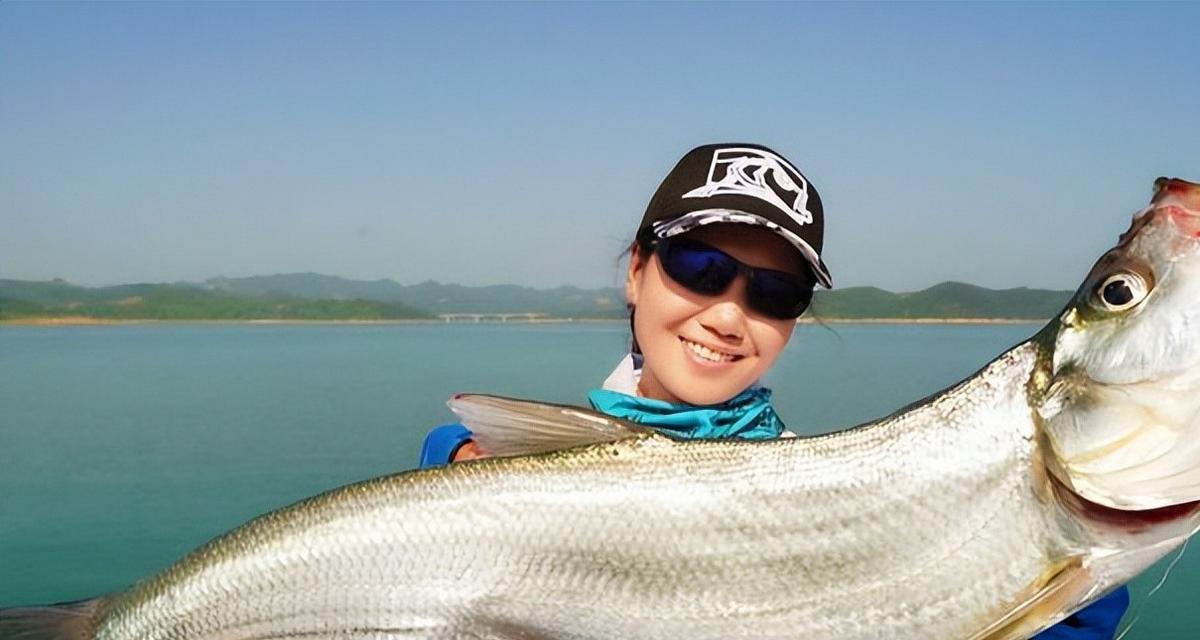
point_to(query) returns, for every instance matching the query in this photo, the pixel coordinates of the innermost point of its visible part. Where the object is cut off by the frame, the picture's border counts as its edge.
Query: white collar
(624, 379)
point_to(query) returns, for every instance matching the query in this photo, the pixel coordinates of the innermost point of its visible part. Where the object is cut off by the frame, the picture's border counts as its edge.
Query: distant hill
(311, 296)
(23, 299)
(310, 285)
(945, 300)
(438, 298)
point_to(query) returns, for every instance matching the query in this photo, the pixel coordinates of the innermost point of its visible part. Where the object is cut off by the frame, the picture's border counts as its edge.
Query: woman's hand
(448, 443)
(468, 451)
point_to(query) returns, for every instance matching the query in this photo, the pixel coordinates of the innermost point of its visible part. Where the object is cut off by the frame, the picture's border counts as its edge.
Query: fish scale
(986, 512)
(763, 540)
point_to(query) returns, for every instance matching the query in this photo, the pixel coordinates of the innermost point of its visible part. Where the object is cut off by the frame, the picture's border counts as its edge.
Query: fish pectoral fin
(509, 427)
(63, 621)
(1051, 598)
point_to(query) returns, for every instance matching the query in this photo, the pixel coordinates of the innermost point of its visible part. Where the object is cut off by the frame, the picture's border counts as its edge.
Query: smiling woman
(724, 261)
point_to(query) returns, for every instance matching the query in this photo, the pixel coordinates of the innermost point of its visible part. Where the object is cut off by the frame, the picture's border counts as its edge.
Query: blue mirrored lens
(709, 271)
(778, 294)
(698, 267)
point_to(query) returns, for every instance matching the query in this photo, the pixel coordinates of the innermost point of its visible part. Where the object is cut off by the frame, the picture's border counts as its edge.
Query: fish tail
(64, 621)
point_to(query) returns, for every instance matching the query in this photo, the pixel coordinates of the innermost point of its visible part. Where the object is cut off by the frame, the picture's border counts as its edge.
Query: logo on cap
(758, 174)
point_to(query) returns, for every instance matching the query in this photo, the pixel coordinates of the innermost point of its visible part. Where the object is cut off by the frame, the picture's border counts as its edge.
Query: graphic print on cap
(758, 174)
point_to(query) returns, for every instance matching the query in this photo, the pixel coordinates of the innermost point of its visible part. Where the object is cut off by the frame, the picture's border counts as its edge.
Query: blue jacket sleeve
(1097, 621)
(441, 443)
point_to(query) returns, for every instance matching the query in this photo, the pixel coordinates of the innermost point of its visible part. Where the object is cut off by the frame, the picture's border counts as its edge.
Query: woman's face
(703, 349)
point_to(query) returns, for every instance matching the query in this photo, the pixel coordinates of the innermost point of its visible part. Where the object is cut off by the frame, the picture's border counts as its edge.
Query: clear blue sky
(1000, 144)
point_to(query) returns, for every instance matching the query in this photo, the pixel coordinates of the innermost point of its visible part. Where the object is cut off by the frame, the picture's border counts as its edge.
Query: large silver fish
(990, 510)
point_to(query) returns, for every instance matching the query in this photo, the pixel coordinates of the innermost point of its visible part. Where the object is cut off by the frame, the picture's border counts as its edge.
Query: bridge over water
(492, 317)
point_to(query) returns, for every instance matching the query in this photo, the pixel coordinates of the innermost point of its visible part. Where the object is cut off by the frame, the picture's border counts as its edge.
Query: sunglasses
(706, 270)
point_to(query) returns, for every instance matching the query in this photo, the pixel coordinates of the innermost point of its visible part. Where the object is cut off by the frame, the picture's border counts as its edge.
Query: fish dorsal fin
(509, 427)
(1050, 599)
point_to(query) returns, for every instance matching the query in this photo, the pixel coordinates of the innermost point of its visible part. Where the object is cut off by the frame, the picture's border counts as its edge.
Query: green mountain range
(24, 299)
(435, 297)
(945, 300)
(310, 296)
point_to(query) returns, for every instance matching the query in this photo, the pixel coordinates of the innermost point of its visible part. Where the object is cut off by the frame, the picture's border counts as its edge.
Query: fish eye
(1121, 291)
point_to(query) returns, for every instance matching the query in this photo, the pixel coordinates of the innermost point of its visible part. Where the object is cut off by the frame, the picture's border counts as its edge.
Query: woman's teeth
(708, 354)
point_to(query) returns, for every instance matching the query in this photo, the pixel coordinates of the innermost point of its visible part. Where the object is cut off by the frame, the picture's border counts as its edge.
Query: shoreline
(922, 321)
(84, 321)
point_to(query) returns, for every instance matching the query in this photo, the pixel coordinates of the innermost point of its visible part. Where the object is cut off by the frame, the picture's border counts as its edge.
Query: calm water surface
(123, 447)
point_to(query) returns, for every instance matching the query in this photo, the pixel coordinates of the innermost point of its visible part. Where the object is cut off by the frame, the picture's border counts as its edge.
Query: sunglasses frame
(754, 296)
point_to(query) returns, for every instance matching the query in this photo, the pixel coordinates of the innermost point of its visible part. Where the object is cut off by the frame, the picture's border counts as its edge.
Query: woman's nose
(726, 316)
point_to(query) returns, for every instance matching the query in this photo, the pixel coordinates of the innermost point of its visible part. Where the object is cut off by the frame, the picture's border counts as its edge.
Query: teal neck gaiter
(748, 416)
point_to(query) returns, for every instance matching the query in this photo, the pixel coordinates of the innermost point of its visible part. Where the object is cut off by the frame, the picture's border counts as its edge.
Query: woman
(725, 259)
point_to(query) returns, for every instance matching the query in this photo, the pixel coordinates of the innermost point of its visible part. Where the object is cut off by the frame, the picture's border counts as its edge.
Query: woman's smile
(708, 356)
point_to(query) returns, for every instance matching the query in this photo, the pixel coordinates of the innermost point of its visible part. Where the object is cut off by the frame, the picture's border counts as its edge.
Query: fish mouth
(1128, 519)
(1175, 190)
(1179, 201)
(1184, 219)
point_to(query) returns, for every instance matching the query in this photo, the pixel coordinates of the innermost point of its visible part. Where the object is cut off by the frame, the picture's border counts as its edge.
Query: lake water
(123, 447)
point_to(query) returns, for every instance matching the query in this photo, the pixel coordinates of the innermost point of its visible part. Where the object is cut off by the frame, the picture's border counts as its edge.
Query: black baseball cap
(744, 184)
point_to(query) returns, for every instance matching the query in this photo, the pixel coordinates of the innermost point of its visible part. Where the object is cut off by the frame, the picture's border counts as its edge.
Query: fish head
(1120, 400)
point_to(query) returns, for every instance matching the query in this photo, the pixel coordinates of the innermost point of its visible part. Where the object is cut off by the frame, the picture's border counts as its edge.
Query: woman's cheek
(770, 338)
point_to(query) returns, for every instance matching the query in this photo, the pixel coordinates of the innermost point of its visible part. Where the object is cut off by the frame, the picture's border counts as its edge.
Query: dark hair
(643, 244)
